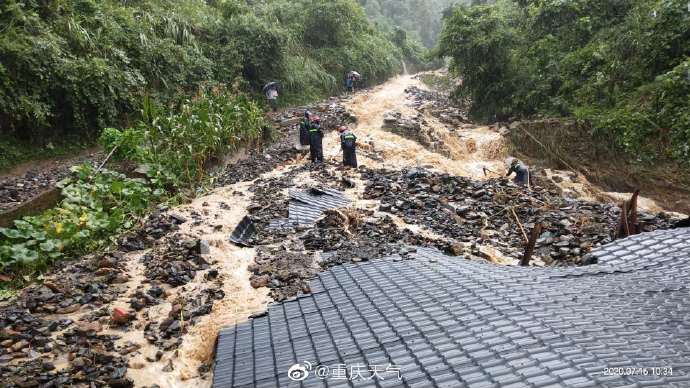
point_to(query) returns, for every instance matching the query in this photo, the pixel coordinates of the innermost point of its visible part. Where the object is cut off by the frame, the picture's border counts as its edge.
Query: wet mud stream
(148, 314)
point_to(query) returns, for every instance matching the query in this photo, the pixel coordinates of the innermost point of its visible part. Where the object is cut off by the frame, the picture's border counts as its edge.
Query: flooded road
(481, 231)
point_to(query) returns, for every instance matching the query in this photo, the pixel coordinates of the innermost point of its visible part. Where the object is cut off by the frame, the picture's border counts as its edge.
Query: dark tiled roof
(448, 322)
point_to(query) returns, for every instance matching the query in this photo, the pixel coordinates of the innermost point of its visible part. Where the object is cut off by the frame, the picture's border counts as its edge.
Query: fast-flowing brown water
(474, 152)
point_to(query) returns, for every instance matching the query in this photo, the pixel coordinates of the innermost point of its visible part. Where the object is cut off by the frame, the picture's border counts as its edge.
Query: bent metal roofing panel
(439, 321)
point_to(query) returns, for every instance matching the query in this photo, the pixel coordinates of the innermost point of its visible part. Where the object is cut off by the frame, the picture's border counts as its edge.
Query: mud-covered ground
(25, 182)
(147, 313)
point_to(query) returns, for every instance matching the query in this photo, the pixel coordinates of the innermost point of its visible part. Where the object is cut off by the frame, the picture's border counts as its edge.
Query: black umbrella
(271, 85)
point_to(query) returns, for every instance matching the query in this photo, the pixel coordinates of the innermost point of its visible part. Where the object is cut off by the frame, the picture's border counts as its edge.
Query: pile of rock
(438, 105)
(184, 313)
(285, 270)
(355, 235)
(414, 128)
(89, 354)
(158, 224)
(487, 212)
(62, 319)
(175, 263)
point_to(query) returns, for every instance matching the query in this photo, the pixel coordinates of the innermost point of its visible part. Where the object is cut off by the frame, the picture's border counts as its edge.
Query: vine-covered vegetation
(96, 207)
(624, 66)
(172, 149)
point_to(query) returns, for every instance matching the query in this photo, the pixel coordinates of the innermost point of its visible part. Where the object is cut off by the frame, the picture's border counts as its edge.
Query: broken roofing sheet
(306, 207)
(243, 232)
(439, 321)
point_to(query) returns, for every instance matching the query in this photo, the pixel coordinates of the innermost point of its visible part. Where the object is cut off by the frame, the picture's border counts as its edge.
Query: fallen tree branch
(547, 149)
(104, 161)
(520, 225)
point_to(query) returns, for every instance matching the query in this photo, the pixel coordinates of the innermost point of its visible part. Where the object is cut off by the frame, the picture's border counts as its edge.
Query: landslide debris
(74, 327)
(58, 332)
(438, 105)
(471, 212)
(16, 189)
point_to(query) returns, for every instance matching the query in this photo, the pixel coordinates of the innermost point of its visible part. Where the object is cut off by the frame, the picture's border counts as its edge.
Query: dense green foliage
(622, 65)
(95, 206)
(175, 146)
(77, 66)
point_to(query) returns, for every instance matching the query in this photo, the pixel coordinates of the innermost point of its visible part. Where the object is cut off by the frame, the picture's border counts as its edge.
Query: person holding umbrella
(352, 76)
(271, 91)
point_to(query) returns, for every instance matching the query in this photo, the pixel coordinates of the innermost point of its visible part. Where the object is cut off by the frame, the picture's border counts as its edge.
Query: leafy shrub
(95, 207)
(177, 145)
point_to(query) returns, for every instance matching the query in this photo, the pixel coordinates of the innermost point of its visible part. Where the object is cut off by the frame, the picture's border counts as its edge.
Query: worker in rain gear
(316, 140)
(521, 172)
(304, 127)
(348, 142)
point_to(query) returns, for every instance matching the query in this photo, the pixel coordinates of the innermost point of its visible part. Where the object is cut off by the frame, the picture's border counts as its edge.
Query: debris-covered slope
(148, 312)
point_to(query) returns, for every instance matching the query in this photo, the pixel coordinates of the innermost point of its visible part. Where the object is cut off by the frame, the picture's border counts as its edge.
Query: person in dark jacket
(304, 127)
(348, 142)
(521, 172)
(316, 140)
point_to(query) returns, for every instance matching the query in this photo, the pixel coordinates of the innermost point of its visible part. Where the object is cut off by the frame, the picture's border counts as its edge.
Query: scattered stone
(168, 367)
(19, 345)
(260, 281)
(120, 317)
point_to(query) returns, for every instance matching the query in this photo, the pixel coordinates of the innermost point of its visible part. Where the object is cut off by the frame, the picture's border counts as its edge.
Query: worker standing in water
(316, 140)
(304, 127)
(521, 172)
(348, 142)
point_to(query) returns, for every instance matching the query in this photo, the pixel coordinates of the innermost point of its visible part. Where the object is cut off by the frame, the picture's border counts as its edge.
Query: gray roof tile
(448, 322)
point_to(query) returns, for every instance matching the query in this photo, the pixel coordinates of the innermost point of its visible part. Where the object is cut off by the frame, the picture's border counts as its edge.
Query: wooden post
(529, 247)
(628, 224)
(634, 227)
